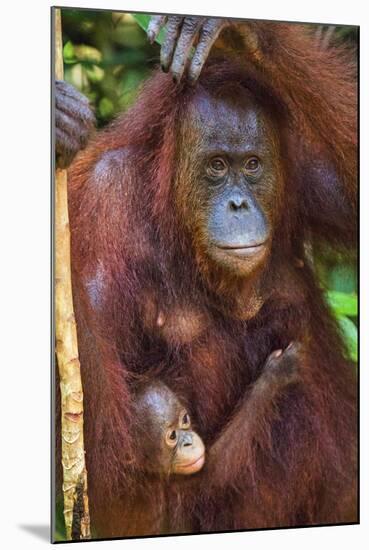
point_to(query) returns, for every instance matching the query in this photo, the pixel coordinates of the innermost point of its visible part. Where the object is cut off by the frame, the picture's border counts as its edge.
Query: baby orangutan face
(165, 438)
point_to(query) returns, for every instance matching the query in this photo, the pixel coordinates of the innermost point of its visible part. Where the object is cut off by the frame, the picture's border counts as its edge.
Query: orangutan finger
(173, 28)
(208, 35)
(188, 34)
(156, 23)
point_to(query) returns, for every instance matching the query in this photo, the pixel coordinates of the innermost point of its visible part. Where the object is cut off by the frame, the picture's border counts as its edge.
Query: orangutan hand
(182, 33)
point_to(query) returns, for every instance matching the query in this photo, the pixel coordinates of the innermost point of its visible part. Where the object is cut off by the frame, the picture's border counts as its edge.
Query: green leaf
(95, 73)
(106, 107)
(343, 277)
(342, 303)
(143, 21)
(349, 333)
(87, 53)
(68, 53)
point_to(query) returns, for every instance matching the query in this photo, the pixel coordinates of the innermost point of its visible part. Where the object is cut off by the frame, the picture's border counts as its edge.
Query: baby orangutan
(166, 440)
(166, 445)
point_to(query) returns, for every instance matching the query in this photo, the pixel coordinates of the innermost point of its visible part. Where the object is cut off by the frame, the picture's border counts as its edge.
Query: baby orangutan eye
(217, 167)
(186, 422)
(171, 438)
(252, 164)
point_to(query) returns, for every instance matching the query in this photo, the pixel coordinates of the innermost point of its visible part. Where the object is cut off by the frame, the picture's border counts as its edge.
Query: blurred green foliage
(107, 56)
(329, 34)
(338, 276)
(59, 533)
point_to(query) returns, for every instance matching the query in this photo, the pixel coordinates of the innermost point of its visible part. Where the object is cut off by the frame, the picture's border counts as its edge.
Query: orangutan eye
(252, 164)
(171, 438)
(217, 167)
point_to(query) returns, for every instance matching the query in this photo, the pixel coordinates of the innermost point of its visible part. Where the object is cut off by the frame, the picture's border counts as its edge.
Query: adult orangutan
(189, 217)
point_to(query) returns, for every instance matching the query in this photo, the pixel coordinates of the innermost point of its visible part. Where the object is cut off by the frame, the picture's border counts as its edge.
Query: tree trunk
(76, 513)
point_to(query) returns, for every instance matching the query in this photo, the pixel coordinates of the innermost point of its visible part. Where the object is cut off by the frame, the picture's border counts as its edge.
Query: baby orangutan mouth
(192, 467)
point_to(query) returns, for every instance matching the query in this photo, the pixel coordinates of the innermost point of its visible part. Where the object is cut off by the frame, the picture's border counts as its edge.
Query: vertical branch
(76, 512)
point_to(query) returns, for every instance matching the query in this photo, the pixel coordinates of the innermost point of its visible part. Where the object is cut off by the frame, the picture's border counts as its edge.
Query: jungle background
(107, 56)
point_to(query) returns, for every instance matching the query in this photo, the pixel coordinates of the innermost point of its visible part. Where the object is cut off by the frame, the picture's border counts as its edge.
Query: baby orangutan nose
(187, 439)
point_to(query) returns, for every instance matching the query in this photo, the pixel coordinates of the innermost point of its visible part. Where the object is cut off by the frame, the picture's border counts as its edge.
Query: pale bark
(73, 453)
